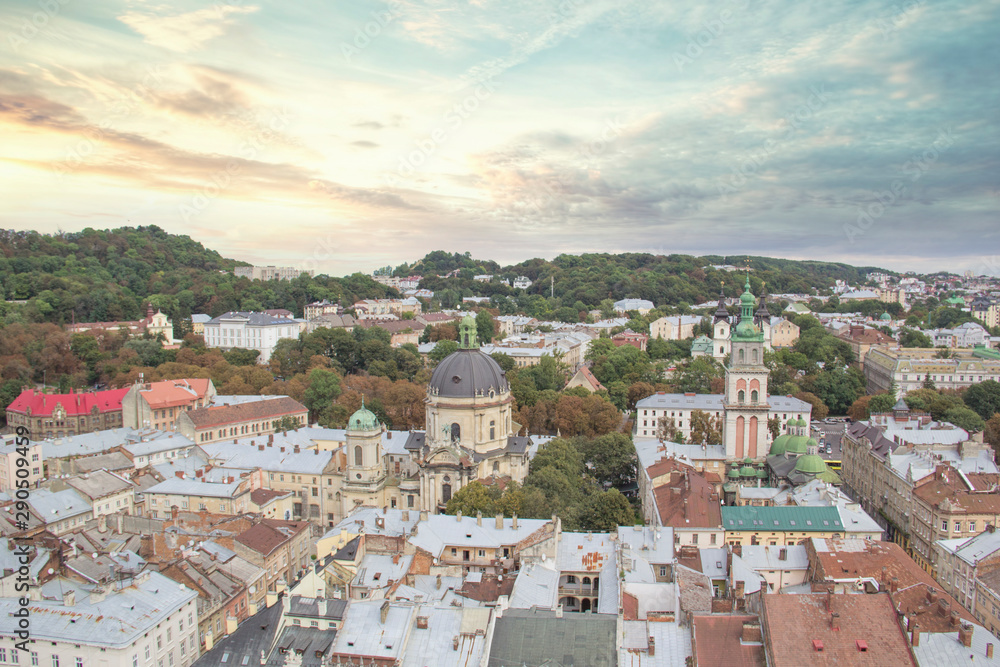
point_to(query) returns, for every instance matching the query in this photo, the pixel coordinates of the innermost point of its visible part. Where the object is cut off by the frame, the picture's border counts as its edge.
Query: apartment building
(960, 561)
(61, 415)
(909, 367)
(158, 405)
(249, 331)
(280, 548)
(13, 458)
(257, 418)
(271, 272)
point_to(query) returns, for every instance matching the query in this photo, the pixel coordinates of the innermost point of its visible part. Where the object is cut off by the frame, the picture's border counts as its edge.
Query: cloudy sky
(347, 135)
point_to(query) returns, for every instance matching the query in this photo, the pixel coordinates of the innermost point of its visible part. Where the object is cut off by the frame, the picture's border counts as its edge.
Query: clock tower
(745, 402)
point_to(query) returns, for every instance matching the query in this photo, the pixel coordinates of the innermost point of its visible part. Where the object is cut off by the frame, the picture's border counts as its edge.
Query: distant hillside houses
(642, 306)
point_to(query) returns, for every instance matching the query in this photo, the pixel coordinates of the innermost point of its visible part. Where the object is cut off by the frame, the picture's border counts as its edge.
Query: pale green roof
(795, 517)
(363, 420)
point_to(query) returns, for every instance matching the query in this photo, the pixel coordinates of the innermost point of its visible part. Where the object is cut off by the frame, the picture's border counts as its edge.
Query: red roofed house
(159, 404)
(727, 640)
(674, 494)
(281, 548)
(222, 422)
(833, 629)
(585, 378)
(60, 415)
(629, 337)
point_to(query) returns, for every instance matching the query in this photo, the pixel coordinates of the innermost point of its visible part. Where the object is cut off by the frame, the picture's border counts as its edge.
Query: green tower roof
(733, 473)
(885, 317)
(747, 471)
(363, 420)
(810, 464)
(467, 333)
(762, 474)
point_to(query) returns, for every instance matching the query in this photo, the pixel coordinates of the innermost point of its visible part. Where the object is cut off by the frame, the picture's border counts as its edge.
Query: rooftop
(229, 414)
(535, 637)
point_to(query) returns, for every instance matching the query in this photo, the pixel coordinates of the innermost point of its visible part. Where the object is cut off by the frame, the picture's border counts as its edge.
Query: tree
(913, 338)
(965, 418)
(442, 350)
(774, 426)
(612, 459)
(471, 498)
(928, 382)
(859, 410)
(484, 326)
(606, 511)
(880, 403)
(705, 429)
(984, 398)
(241, 357)
(286, 423)
(666, 430)
(992, 433)
(323, 390)
(819, 409)
(637, 392)
(696, 375)
(838, 388)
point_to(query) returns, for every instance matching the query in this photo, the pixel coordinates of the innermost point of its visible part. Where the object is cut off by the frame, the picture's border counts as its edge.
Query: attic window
(809, 522)
(862, 645)
(792, 522)
(825, 522)
(350, 643)
(775, 522)
(817, 645)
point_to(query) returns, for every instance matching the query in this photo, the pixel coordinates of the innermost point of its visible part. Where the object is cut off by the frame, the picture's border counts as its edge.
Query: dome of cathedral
(779, 445)
(747, 471)
(885, 317)
(811, 464)
(363, 420)
(733, 473)
(467, 374)
(797, 444)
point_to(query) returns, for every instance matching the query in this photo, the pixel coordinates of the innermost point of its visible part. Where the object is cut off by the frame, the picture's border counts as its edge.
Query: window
(79, 661)
(972, 526)
(944, 525)
(958, 526)
(358, 455)
(146, 656)
(159, 639)
(55, 661)
(3, 654)
(34, 658)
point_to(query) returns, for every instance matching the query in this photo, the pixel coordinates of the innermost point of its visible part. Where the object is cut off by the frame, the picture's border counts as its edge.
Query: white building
(150, 621)
(674, 327)
(249, 331)
(521, 282)
(270, 272)
(626, 305)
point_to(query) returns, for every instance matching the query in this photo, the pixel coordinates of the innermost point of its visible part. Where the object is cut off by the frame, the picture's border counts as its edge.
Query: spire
(721, 313)
(762, 313)
(467, 333)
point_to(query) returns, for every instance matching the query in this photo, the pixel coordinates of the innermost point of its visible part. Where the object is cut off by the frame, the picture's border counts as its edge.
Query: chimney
(321, 606)
(69, 600)
(829, 600)
(270, 439)
(965, 635)
(835, 621)
(174, 510)
(119, 523)
(454, 643)
(199, 472)
(479, 518)
(990, 528)
(102, 523)
(179, 474)
(915, 635)
(932, 594)
(260, 448)
(458, 516)
(943, 607)
(383, 612)
(499, 521)
(395, 559)
(295, 449)
(559, 611)
(437, 583)
(989, 651)
(423, 515)
(739, 589)
(282, 450)
(421, 622)
(751, 632)
(783, 554)
(405, 516)
(894, 584)
(514, 522)
(956, 618)
(652, 646)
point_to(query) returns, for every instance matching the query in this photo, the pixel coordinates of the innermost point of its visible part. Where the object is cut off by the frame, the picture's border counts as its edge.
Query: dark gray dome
(467, 374)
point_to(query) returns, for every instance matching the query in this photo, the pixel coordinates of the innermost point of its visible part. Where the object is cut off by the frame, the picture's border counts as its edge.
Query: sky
(349, 135)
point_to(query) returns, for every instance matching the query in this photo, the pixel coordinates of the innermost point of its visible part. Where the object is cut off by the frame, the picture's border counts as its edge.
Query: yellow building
(787, 525)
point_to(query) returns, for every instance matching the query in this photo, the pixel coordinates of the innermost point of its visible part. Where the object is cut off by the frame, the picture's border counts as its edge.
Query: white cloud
(184, 32)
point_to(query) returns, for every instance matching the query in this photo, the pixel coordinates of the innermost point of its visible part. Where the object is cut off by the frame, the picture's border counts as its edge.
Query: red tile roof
(853, 559)
(42, 405)
(171, 393)
(219, 415)
(717, 642)
(260, 497)
(796, 626)
(270, 534)
(947, 484)
(686, 500)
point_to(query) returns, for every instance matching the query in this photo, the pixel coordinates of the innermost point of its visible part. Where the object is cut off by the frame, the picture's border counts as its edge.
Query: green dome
(885, 317)
(748, 461)
(747, 471)
(762, 474)
(363, 420)
(797, 444)
(733, 473)
(812, 443)
(746, 329)
(810, 464)
(747, 299)
(779, 445)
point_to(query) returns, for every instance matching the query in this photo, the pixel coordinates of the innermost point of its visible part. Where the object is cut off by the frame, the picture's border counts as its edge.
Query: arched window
(753, 356)
(493, 430)
(496, 466)
(456, 432)
(446, 489)
(358, 456)
(753, 396)
(741, 397)
(741, 356)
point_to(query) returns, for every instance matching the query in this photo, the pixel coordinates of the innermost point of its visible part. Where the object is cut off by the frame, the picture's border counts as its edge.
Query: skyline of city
(368, 134)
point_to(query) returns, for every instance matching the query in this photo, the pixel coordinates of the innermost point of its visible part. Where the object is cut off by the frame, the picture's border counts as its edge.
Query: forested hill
(102, 275)
(584, 281)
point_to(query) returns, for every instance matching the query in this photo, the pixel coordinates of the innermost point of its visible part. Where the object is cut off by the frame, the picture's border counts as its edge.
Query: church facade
(745, 406)
(469, 435)
(776, 331)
